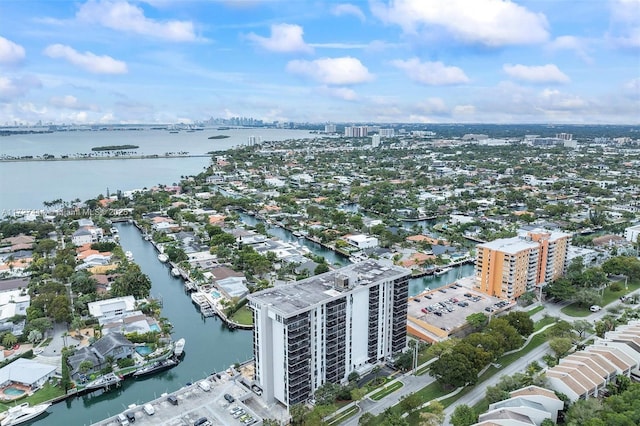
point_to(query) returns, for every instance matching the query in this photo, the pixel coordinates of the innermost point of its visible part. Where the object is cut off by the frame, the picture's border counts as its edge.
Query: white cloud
(431, 73)
(464, 110)
(625, 16)
(87, 60)
(548, 73)
(434, 106)
(488, 22)
(633, 87)
(71, 102)
(576, 44)
(284, 38)
(554, 100)
(348, 9)
(10, 52)
(122, 16)
(344, 93)
(11, 88)
(332, 71)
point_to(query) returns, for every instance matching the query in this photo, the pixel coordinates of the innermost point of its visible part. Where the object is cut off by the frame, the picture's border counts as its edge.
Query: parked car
(595, 308)
(229, 398)
(148, 408)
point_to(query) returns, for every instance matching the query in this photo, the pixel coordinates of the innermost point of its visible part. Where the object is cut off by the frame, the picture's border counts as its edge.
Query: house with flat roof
(109, 309)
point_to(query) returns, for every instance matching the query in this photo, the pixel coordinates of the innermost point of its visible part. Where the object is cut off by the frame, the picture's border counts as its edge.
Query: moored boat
(23, 413)
(163, 257)
(156, 367)
(442, 271)
(178, 347)
(175, 272)
(103, 381)
(128, 255)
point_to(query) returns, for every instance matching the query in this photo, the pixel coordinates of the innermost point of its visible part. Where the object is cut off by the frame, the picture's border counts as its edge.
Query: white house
(362, 241)
(86, 235)
(26, 372)
(111, 309)
(631, 233)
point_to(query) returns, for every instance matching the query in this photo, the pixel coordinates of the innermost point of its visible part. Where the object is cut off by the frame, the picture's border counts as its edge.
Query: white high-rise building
(375, 141)
(329, 128)
(323, 328)
(387, 133)
(356, 131)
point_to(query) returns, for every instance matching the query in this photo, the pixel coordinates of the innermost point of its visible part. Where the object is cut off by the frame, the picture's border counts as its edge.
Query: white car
(594, 308)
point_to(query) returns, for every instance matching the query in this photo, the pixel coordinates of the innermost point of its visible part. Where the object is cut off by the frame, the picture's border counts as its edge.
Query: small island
(219, 137)
(114, 147)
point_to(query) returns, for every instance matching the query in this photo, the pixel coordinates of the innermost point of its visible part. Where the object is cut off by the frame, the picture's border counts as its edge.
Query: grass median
(386, 391)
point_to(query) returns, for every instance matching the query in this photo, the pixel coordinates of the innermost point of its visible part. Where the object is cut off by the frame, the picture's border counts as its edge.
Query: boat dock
(200, 300)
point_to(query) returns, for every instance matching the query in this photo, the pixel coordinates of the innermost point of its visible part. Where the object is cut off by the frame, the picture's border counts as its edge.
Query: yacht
(178, 348)
(156, 367)
(22, 413)
(128, 255)
(103, 381)
(163, 257)
(175, 272)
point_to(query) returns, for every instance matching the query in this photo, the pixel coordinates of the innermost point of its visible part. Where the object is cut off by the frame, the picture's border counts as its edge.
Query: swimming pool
(154, 327)
(215, 294)
(13, 392)
(144, 350)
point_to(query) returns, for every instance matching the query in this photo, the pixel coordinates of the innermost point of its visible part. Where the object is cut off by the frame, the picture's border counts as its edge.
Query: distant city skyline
(377, 61)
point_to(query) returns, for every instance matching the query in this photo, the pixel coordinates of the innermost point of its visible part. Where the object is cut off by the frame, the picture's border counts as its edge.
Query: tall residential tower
(509, 267)
(321, 329)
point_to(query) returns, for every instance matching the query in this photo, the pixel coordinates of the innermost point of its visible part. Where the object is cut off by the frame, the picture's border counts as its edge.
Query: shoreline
(122, 157)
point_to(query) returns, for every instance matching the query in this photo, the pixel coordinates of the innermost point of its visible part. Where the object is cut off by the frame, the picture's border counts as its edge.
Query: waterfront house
(110, 309)
(113, 345)
(361, 241)
(86, 235)
(26, 372)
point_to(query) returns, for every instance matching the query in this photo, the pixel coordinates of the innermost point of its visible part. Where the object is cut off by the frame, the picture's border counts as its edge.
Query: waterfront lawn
(386, 391)
(243, 316)
(47, 393)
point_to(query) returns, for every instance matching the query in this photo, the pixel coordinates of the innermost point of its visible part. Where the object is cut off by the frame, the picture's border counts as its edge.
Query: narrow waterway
(416, 285)
(210, 346)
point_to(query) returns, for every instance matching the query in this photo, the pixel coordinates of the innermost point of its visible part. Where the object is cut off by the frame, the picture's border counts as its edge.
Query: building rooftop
(509, 245)
(301, 295)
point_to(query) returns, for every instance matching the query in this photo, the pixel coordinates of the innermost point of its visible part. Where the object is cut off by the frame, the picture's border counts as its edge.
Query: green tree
(521, 321)
(321, 269)
(463, 415)
(298, 413)
(410, 402)
(131, 283)
(85, 366)
(8, 340)
(477, 320)
(34, 336)
(327, 393)
(560, 346)
(582, 411)
(60, 309)
(454, 370)
(582, 327)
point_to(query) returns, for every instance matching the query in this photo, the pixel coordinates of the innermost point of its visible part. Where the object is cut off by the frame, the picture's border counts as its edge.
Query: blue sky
(429, 61)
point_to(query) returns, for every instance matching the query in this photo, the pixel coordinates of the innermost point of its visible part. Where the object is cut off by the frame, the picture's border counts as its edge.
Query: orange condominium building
(509, 267)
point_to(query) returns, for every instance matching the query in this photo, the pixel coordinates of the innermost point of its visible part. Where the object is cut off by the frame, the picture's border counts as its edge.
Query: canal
(416, 285)
(210, 346)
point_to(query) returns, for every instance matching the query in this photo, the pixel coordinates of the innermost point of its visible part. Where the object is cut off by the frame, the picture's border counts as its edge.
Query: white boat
(442, 271)
(175, 272)
(178, 347)
(22, 413)
(103, 381)
(163, 257)
(128, 255)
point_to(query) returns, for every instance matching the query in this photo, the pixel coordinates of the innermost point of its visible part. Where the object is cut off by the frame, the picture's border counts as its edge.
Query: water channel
(210, 346)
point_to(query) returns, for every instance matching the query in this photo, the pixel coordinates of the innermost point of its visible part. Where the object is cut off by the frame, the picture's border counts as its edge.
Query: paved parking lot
(195, 402)
(445, 310)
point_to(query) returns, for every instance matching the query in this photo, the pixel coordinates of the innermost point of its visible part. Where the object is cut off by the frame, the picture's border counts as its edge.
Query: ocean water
(26, 185)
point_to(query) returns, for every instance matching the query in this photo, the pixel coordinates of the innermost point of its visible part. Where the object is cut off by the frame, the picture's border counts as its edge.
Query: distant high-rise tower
(321, 329)
(356, 131)
(375, 141)
(329, 128)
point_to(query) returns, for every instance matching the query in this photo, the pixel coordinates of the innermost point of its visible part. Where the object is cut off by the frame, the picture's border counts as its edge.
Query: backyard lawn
(243, 316)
